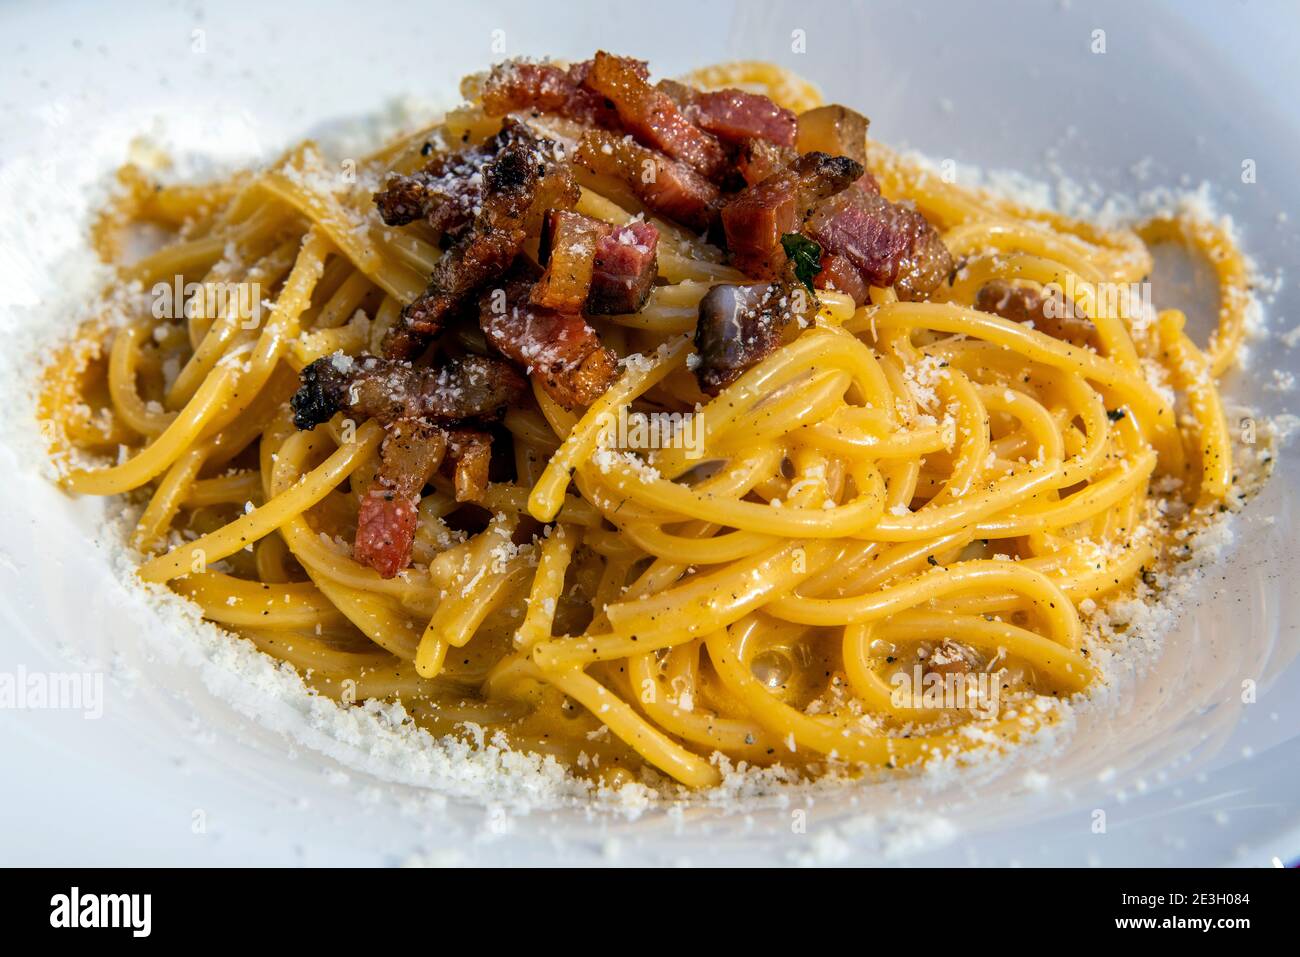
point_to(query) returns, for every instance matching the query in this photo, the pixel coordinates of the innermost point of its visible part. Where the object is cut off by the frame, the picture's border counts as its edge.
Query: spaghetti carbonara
(646, 423)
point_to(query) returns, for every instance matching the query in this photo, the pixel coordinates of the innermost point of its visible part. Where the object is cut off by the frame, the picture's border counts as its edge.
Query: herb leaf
(805, 255)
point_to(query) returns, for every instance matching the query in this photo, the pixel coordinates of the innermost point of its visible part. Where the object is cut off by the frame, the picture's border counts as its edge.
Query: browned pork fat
(624, 270)
(1051, 312)
(448, 191)
(839, 131)
(567, 249)
(419, 408)
(757, 159)
(594, 266)
(411, 453)
(404, 199)
(891, 244)
(739, 325)
(560, 349)
(387, 519)
(834, 129)
(445, 193)
(652, 116)
(664, 185)
(839, 274)
(519, 185)
(471, 452)
(759, 216)
(547, 88)
(475, 387)
(733, 115)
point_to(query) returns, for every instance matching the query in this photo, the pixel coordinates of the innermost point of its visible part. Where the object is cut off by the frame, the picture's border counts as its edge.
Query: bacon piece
(594, 266)
(734, 115)
(758, 159)
(445, 193)
(867, 184)
(519, 185)
(839, 131)
(386, 525)
(664, 185)
(475, 387)
(739, 325)
(841, 275)
(560, 348)
(652, 117)
(1051, 312)
(624, 269)
(449, 189)
(547, 88)
(836, 130)
(756, 219)
(891, 244)
(416, 405)
(569, 241)
(471, 451)
(403, 200)
(387, 520)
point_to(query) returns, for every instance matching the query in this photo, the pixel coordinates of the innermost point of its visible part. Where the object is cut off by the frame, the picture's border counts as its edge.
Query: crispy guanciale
(757, 159)
(666, 186)
(651, 115)
(445, 194)
(411, 452)
(760, 215)
(547, 88)
(739, 325)
(1049, 311)
(567, 248)
(731, 115)
(624, 269)
(386, 521)
(425, 412)
(474, 388)
(840, 275)
(448, 191)
(559, 348)
(734, 116)
(520, 184)
(594, 266)
(833, 129)
(839, 131)
(891, 244)
(471, 452)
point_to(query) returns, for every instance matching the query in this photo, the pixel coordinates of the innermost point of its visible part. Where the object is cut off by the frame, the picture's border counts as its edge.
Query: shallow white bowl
(172, 773)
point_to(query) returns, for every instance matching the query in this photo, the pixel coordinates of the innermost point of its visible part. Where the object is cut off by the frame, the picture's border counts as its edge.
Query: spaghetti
(909, 494)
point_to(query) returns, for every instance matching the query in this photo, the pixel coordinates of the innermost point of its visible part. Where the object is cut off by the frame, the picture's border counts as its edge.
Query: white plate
(1184, 771)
